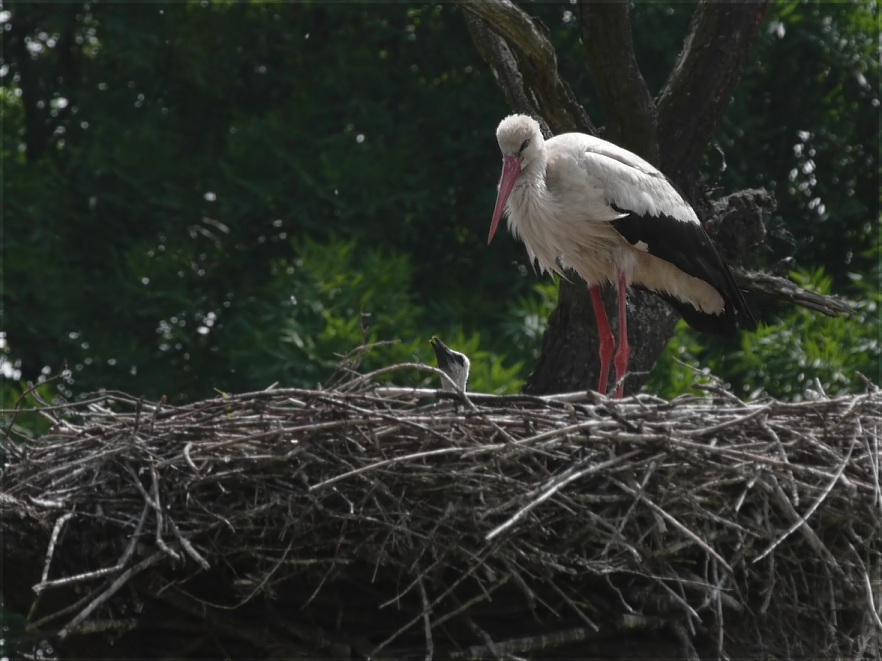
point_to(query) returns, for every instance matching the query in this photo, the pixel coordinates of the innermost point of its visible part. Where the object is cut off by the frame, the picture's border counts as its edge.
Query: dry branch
(380, 521)
(787, 290)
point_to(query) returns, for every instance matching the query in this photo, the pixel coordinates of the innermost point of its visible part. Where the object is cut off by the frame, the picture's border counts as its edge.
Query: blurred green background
(212, 196)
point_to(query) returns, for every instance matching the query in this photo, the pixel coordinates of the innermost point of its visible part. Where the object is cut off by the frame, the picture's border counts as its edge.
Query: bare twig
(801, 521)
(108, 593)
(548, 493)
(56, 531)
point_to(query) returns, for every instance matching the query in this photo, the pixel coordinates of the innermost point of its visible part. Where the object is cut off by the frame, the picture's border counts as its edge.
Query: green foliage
(21, 396)
(528, 316)
(330, 299)
(16, 394)
(787, 358)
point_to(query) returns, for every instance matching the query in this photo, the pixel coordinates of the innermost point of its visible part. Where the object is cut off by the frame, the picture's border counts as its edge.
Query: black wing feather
(687, 246)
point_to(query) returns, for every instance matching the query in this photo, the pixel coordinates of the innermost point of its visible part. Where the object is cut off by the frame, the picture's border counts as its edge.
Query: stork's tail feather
(725, 324)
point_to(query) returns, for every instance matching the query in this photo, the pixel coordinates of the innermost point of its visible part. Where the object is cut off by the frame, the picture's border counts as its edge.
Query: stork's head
(453, 363)
(520, 140)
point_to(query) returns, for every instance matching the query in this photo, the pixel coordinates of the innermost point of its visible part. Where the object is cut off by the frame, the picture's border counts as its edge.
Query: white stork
(453, 363)
(579, 202)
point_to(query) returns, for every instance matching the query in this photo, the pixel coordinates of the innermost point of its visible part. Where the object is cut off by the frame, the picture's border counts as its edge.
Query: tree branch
(503, 63)
(630, 111)
(698, 91)
(738, 230)
(784, 289)
(536, 63)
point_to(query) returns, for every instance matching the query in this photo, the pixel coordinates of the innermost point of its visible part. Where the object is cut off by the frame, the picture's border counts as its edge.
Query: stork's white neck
(533, 217)
(530, 193)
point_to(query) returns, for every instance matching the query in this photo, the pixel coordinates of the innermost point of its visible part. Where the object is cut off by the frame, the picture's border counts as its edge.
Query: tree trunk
(570, 359)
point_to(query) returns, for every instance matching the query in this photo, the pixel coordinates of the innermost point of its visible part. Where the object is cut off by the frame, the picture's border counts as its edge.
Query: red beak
(511, 170)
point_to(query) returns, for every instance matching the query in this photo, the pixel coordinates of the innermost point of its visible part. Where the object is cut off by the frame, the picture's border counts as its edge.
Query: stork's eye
(524, 146)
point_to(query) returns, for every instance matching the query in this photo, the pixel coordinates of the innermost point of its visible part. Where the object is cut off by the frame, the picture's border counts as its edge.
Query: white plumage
(580, 202)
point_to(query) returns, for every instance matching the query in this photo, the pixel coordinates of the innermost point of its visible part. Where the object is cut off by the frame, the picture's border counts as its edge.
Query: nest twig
(375, 521)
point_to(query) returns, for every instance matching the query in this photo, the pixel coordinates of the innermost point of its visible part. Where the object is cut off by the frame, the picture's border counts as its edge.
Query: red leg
(607, 341)
(624, 351)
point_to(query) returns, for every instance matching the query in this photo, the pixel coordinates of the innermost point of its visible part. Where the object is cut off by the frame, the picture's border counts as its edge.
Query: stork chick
(453, 363)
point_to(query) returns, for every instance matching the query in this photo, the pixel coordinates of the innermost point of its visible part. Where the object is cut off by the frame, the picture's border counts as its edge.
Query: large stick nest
(369, 521)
